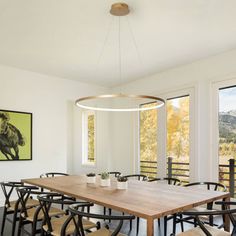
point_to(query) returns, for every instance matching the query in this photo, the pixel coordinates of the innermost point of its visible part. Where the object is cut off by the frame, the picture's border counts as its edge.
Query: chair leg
(34, 228)
(20, 226)
(104, 211)
(159, 222)
(174, 224)
(181, 222)
(137, 226)
(14, 223)
(165, 225)
(130, 224)
(109, 210)
(3, 220)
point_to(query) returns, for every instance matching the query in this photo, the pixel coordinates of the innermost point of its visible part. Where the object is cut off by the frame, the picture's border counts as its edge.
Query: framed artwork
(15, 135)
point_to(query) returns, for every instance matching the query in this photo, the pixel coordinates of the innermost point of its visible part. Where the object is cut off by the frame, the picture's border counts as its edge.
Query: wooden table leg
(150, 227)
(227, 219)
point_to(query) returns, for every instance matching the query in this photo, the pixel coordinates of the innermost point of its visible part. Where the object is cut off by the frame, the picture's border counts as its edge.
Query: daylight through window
(178, 128)
(148, 141)
(89, 138)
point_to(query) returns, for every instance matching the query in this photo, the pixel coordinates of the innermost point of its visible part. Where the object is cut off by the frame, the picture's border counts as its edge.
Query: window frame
(85, 162)
(215, 87)
(139, 157)
(193, 160)
(162, 134)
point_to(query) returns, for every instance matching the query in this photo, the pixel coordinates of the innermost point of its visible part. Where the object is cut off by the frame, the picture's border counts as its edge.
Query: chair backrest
(49, 199)
(8, 189)
(52, 174)
(25, 193)
(210, 186)
(77, 217)
(137, 176)
(198, 214)
(115, 173)
(171, 181)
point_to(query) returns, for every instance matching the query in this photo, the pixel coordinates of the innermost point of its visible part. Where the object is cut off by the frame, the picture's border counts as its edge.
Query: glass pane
(227, 131)
(178, 137)
(148, 142)
(91, 138)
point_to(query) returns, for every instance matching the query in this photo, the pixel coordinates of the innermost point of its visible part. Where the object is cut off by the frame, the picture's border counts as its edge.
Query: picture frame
(15, 135)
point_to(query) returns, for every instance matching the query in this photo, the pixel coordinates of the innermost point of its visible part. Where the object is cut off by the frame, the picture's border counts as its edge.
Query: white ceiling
(66, 38)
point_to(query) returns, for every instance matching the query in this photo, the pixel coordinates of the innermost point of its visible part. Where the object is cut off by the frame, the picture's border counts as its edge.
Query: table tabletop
(149, 200)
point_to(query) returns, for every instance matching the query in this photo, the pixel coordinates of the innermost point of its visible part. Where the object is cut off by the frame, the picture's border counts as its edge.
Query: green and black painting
(15, 135)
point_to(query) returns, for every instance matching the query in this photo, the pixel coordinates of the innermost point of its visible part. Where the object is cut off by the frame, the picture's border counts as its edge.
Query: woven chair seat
(53, 212)
(30, 203)
(58, 222)
(103, 232)
(198, 232)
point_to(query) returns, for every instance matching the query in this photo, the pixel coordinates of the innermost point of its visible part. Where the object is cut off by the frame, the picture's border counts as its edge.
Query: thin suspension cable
(134, 40)
(119, 47)
(105, 42)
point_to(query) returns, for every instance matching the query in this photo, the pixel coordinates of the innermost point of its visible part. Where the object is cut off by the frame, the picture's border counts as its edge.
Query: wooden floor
(125, 228)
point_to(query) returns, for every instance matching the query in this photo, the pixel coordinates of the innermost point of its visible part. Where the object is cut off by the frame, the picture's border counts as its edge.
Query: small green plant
(121, 179)
(104, 175)
(91, 174)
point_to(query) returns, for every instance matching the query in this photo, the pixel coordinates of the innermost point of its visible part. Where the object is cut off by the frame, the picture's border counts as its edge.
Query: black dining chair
(170, 181)
(12, 204)
(32, 215)
(206, 229)
(53, 225)
(213, 186)
(139, 177)
(53, 174)
(77, 217)
(56, 174)
(115, 174)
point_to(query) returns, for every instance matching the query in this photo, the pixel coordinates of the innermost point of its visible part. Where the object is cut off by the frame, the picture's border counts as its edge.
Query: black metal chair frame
(171, 181)
(8, 188)
(46, 201)
(56, 174)
(197, 214)
(52, 174)
(76, 217)
(116, 174)
(209, 185)
(24, 194)
(138, 177)
(191, 220)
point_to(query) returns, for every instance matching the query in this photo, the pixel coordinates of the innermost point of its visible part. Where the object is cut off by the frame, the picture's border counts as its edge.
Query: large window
(178, 131)
(227, 132)
(148, 141)
(89, 138)
(166, 142)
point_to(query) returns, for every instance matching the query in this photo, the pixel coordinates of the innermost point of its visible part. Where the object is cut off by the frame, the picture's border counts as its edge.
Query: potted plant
(91, 178)
(105, 179)
(122, 182)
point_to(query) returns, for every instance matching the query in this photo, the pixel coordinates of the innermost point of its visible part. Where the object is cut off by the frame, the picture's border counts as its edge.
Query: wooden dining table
(148, 200)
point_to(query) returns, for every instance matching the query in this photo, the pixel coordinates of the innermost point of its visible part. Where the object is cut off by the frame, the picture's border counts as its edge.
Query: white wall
(57, 122)
(199, 76)
(56, 146)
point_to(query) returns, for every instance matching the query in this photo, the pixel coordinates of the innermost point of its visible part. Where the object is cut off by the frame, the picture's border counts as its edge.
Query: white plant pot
(91, 179)
(105, 182)
(122, 185)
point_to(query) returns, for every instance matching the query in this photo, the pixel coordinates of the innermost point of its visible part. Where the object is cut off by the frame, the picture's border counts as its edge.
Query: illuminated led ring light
(160, 102)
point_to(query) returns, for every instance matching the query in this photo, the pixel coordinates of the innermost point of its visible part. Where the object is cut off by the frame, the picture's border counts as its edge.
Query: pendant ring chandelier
(119, 102)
